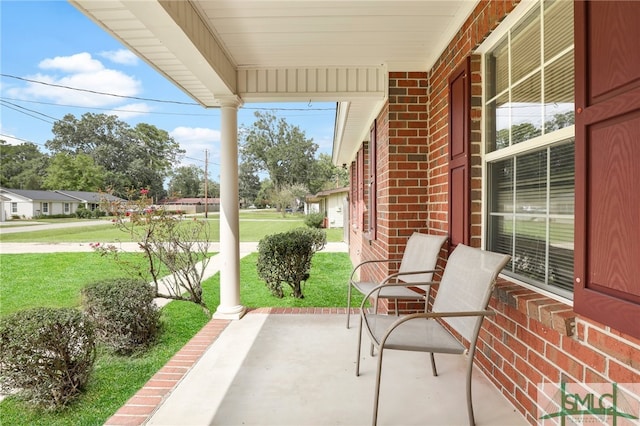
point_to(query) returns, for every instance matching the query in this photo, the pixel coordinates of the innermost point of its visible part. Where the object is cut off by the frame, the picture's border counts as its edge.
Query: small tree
(286, 257)
(169, 244)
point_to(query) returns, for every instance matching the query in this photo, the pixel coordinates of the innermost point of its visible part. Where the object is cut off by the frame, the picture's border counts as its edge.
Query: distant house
(3, 213)
(29, 204)
(191, 205)
(92, 200)
(333, 203)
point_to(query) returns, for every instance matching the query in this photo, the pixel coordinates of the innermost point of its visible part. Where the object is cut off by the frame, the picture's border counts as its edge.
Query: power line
(151, 99)
(27, 109)
(17, 109)
(109, 109)
(20, 139)
(98, 92)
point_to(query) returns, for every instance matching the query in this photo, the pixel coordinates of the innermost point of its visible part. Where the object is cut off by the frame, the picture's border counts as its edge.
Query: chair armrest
(366, 262)
(377, 289)
(410, 317)
(400, 274)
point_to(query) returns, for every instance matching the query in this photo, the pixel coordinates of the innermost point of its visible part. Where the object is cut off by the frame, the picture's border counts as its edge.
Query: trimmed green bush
(314, 220)
(83, 213)
(47, 354)
(126, 318)
(286, 257)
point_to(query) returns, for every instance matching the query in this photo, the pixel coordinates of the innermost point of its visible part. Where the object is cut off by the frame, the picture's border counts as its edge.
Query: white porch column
(230, 307)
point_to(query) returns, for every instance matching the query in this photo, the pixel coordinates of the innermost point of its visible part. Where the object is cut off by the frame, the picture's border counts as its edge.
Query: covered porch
(423, 134)
(296, 367)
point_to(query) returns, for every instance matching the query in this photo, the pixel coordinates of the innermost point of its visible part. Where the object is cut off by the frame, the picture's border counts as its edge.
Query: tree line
(99, 152)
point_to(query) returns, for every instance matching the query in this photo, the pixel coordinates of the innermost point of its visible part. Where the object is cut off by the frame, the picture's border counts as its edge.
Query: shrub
(83, 213)
(314, 220)
(125, 316)
(47, 354)
(286, 257)
(318, 237)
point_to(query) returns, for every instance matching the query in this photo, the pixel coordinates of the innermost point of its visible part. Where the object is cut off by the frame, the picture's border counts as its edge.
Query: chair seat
(422, 335)
(388, 292)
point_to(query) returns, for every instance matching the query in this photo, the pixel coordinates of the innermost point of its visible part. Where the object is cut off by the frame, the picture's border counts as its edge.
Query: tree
(168, 245)
(327, 176)
(213, 189)
(289, 196)
(265, 194)
(74, 173)
(278, 148)
(248, 183)
(185, 181)
(131, 157)
(22, 166)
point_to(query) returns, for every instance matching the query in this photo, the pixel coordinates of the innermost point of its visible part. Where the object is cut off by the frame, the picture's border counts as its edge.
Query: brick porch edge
(146, 401)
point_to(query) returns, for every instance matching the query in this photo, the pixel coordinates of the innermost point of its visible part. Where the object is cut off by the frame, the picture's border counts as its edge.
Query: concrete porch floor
(283, 369)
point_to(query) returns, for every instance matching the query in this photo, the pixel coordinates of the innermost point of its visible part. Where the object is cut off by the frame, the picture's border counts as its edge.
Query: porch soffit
(286, 51)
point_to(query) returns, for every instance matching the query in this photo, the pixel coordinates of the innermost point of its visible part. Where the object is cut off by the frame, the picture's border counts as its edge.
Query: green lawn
(55, 279)
(253, 227)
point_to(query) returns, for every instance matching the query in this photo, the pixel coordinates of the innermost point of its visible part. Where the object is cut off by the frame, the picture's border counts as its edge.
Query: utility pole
(206, 183)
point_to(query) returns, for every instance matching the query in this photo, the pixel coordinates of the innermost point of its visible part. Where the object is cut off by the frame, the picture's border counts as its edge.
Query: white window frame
(537, 143)
(14, 207)
(67, 207)
(45, 208)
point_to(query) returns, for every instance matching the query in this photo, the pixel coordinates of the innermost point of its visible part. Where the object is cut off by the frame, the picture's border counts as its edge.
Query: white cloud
(122, 56)
(195, 140)
(81, 72)
(10, 139)
(78, 63)
(125, 112)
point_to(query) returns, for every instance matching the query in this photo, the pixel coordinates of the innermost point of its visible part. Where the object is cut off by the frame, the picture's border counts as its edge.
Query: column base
(230, 313)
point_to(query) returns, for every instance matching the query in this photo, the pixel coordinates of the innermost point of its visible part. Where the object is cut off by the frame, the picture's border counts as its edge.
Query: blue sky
(52, 42)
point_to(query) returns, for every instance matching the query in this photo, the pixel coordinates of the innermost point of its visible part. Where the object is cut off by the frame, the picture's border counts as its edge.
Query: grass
(253, 227)
(27, 282)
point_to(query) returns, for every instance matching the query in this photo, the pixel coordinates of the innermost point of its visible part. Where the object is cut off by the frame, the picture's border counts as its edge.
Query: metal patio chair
(416, 269)
(460, 304)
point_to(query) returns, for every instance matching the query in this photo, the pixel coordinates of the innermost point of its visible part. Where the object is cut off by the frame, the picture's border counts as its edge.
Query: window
(45, 207)
(529, 147)
(14, 207)
(66, 208)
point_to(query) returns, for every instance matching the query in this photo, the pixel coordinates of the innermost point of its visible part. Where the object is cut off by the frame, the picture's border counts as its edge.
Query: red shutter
(459, 155)
(360, 201)
(373, 189)
(607, 237)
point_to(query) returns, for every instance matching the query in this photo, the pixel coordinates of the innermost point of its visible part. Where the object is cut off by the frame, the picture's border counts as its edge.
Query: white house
(334, 204)
(28, 204)
(3, 213)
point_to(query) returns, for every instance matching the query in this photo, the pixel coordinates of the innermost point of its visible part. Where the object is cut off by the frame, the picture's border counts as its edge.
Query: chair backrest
(466, 285)
(421, 254)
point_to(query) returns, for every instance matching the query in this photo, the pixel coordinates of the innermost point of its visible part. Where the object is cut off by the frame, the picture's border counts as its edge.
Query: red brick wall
(532, 338)
(402, 173)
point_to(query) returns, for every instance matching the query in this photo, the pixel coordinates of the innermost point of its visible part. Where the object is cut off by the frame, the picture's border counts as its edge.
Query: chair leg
(472, 420)
(375, 311)
(348, 304)
(433, 364)
(358, 350)
(377, 390)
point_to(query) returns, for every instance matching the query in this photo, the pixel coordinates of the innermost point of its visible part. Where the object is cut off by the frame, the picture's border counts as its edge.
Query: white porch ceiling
(286, 51)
